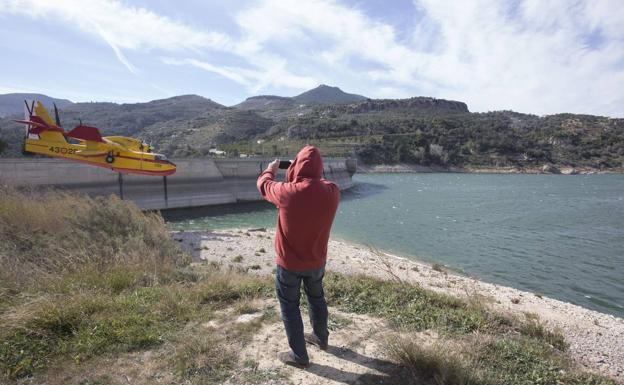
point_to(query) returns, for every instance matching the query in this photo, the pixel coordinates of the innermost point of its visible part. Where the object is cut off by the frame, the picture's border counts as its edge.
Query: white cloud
(120, 56)
(275, 74)
(531, 57)
(537, 61)
(120, 26)
(124, 27)
(230, 73)
(128, 27)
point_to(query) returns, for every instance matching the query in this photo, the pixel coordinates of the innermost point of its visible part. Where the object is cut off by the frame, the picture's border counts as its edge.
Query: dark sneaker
(314, 340)
(289, 359)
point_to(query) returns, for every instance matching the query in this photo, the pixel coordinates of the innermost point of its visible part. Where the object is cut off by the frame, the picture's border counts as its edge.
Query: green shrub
(406, 305)
(534, 329)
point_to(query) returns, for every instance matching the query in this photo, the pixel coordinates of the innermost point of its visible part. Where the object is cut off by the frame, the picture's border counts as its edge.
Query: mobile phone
(284, 164)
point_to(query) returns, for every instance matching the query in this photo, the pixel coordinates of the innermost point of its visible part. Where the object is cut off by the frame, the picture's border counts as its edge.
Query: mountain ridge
(418, 130)
(13, 103)
(327, 94)
(323, 94)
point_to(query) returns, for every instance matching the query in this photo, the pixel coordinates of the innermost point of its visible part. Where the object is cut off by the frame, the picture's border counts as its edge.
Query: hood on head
(307, 164)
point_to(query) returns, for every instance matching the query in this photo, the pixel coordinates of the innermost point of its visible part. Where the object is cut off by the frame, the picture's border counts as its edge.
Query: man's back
(307, 205)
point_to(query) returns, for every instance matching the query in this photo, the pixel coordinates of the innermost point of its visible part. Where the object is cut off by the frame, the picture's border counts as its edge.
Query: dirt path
(352, 358)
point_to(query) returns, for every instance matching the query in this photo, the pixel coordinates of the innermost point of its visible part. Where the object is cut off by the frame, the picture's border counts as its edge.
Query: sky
(533, 56)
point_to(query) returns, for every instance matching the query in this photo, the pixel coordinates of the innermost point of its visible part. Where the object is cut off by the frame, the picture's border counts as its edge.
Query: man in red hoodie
(306, 206)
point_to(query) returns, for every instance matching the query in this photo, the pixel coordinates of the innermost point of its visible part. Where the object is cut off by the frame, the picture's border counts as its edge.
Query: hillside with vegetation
(94, 291)
(420, 130)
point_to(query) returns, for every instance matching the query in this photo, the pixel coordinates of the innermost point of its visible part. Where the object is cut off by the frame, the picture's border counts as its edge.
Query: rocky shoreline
(595, 339)
(545, 169)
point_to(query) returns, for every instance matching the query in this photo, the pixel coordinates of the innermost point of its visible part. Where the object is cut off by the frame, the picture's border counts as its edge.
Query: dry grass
(81, 278)
(44, 235)
(202, 357)
(438, 361)
(49, 330)
(488, 360)
(438, 267)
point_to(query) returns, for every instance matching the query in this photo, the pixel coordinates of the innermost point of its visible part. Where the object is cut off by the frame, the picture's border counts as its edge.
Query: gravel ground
(596, 340)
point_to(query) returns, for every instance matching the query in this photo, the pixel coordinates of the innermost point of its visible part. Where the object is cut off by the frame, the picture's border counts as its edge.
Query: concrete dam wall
(197, 182)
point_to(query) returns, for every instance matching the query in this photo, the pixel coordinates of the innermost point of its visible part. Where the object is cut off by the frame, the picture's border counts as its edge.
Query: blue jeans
(287, 284)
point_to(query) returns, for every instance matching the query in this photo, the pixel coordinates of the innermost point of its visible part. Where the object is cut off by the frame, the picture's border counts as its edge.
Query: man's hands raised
(273, 166)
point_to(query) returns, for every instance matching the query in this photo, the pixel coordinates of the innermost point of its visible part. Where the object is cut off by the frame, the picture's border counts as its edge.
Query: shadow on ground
(388, 373)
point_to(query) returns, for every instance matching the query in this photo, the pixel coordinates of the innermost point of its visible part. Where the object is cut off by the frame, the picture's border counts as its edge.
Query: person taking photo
(307, 205)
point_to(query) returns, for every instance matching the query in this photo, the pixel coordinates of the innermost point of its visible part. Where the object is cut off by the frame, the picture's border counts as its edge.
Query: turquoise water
(561, 236)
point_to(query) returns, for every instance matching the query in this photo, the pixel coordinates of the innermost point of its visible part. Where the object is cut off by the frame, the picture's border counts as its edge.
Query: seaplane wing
(96, 145)
(86, 133)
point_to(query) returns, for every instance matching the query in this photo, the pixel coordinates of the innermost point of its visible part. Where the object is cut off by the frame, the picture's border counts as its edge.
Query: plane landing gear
(110, 158)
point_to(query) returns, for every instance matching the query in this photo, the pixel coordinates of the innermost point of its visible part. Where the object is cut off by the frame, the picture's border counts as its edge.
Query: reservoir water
(560, 236)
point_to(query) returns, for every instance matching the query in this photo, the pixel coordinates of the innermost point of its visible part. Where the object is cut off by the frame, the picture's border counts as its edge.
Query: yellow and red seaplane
(85, 144)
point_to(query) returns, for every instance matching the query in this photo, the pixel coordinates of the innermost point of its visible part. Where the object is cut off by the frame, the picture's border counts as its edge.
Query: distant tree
(3, 145)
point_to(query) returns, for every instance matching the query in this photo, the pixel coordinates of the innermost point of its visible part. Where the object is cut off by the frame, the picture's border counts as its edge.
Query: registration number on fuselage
(62, 150)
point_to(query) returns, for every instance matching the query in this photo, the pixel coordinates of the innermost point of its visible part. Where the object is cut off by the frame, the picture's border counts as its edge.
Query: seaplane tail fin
(41, 112)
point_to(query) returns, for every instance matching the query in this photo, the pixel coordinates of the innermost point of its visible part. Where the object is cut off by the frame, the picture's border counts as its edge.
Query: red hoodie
(307, 205)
